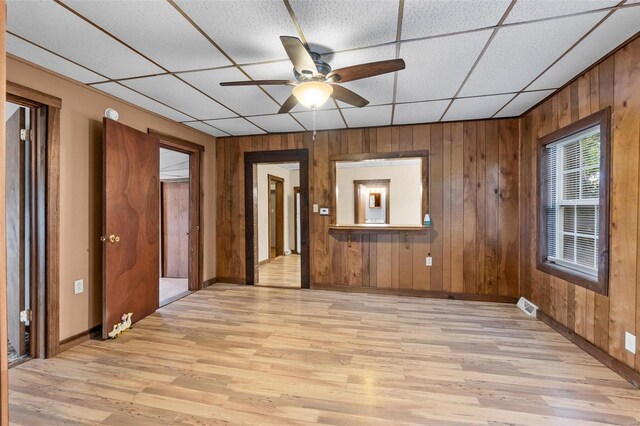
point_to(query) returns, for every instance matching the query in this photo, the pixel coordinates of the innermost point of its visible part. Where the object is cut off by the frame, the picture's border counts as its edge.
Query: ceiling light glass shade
(312, 94)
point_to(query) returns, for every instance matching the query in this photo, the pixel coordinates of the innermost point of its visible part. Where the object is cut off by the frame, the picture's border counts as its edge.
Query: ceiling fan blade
(345, 95)
(258, 83)
(371, 69)
(288, 104)
(299, 55)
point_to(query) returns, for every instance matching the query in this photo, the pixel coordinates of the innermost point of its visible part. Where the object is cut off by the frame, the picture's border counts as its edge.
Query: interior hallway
(271, 357)
(283, 271)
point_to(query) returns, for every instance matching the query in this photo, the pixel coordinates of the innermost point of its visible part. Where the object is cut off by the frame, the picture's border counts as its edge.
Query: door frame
(356, 205)
(296, 191)
(45, 249)
(279, 214)
(196, 157)
(251, 161)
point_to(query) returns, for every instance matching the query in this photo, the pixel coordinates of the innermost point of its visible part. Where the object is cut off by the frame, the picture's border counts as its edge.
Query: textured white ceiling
(464, 61)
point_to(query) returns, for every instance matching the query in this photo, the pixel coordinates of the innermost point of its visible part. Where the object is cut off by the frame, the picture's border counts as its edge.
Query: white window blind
(571, 177)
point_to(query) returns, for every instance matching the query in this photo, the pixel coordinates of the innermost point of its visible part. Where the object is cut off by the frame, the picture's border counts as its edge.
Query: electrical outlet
(315, 208)
(630, 342)
(429, 261)
(78, 286)
(324, 211)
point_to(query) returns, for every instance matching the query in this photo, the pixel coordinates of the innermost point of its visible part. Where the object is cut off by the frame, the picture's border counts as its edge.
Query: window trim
(600, 284)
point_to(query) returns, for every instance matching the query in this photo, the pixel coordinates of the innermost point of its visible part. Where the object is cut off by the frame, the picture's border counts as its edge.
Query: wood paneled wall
(602, 320)
(473, 189)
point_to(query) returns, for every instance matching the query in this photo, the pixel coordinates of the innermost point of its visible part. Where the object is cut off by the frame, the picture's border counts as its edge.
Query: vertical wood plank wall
(600, 319)
(473, 186)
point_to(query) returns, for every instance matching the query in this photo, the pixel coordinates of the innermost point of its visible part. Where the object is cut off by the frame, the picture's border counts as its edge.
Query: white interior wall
(405, 191)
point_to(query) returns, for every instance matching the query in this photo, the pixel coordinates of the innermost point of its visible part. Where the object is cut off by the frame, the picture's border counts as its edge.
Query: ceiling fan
(315, 81)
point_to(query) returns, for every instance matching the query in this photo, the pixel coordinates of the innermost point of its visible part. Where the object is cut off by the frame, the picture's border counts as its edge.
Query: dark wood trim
(380, 155)
(46, 216)
(279, 216)
(209, 282)
(618, 367)
(83, 336)
(264, 262)
(356, 209)
(251, 159)
(601, 284)
(296, 191)
(417, 293)
(230, 280)
(196, 169)
(32, 97)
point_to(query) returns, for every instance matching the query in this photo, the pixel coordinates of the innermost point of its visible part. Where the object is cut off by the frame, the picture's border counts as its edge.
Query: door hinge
(26, 315)
(26, 134)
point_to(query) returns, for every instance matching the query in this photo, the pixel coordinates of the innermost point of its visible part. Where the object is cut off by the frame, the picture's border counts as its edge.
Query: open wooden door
(131, 224)
(15, 222)
(175, 229)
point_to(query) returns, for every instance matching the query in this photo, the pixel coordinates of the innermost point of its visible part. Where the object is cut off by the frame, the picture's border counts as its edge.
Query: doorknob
(111, 238)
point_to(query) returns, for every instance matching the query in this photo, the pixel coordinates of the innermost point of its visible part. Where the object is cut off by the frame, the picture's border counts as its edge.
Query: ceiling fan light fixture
(312, 94)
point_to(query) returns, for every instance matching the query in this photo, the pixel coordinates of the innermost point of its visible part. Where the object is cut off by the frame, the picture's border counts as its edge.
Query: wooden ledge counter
(374, 228)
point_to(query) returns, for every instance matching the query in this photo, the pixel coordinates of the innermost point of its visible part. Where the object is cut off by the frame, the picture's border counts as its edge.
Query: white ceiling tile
(277, 123)
(49, 25)
(476, 108)
(419, 112)
(281, 70)
(325, 119)
(377, 90)
(522, 103)
(610, 34)
(130, 96)
(245, 100)
(519, 53)
(436, 67)
(203, 127)
(527, 10)
(329, 25)
(248, 30)
(368, 116)
(180, 48)
(171, 91)
(236, 126)
(427, 18)
(38, 56)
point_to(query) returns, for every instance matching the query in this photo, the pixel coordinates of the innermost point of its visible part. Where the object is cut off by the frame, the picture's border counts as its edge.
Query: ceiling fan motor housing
(323, 68)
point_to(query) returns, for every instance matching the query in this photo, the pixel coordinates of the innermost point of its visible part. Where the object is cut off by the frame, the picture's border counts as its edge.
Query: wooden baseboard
(264, 262)
(417, 293)
(618, 367)
(76, 339)
(209, 282)
(229, 280)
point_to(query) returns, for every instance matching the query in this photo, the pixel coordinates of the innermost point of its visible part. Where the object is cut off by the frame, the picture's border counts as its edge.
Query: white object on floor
(116, 330)
(527, 307)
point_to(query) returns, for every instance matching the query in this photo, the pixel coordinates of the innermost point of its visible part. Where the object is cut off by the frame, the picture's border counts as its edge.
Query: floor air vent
(527, 307)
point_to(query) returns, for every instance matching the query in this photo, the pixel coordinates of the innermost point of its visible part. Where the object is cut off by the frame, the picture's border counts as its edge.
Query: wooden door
(15, 222)
(279, 218)
(131, 224)
(175, 229)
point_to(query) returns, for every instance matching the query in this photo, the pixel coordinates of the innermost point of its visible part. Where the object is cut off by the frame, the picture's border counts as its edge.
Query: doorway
(276, 243)
(174, 225)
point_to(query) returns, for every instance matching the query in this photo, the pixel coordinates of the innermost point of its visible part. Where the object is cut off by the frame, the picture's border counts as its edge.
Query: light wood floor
(283, 271)
(264, 356)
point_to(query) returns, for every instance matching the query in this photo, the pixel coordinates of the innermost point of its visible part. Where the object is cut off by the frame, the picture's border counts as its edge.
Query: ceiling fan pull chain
(314, 125)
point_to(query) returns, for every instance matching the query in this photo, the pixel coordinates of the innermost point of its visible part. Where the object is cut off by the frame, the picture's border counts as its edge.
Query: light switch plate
(429, 261)
(630, 342)
(78, 286)
(324, 211)
(315, 208)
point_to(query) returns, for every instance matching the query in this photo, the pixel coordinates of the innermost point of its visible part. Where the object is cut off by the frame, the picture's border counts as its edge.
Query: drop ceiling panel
(236, 126)
(245, 100)
(330, 26)
(38, 56)
(281, 70)
(611, 33)
(129, 95)
(277, 123)
(519, 53)
(476, 108)
(419, 112)
(247, 30)
(325, 119)
(522, 103)
(180, 48)
(203, 127)
(51, 26)
(368, 116)
(428, 18)
(173, 92)
(527, 10)
(437, 67)
(377, 90)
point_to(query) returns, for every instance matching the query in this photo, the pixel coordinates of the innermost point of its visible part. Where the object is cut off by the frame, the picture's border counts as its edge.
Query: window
(573, 222)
